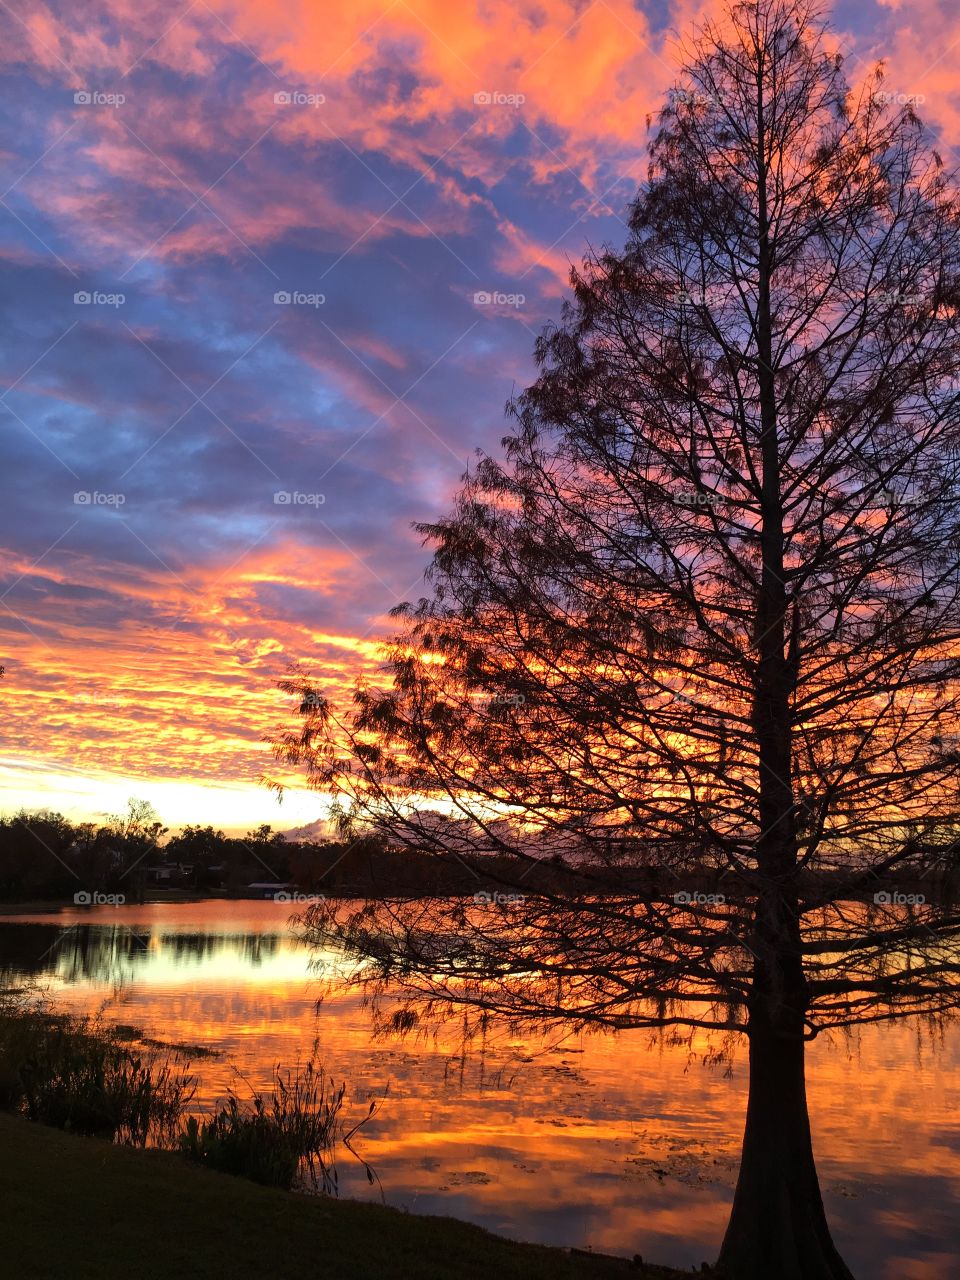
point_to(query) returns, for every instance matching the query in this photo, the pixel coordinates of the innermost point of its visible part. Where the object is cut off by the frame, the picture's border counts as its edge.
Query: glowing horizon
(81, 797)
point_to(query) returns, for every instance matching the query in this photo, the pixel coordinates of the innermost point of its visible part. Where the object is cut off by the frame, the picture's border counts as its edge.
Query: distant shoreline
(643, 887)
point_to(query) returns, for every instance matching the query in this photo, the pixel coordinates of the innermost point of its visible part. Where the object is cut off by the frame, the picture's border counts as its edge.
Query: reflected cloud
(621, 1143)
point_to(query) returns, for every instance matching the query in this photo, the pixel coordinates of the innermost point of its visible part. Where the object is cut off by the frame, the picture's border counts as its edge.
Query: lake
(617, 1143)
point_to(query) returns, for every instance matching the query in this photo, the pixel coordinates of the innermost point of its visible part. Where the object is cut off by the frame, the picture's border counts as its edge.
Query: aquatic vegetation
(292, 1132)
(76, 1074)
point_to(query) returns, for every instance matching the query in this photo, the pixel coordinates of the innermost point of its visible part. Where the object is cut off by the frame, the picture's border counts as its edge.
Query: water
(616, 1143)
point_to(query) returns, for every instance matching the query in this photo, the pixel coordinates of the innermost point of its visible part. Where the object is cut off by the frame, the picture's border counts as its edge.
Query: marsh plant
(288, 1135)
(76, 1074)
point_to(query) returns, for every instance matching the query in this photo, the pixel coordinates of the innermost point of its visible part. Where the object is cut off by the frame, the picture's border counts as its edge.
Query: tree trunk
(778, 1229)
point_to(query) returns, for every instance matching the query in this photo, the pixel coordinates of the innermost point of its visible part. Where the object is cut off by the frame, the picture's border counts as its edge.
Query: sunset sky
(169, 170)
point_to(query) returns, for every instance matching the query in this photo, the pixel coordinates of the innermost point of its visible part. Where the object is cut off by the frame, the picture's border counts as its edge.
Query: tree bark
(778, 1229)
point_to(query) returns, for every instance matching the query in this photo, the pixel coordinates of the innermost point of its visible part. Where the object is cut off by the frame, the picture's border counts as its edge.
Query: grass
(76, 1074)
(85, 1208)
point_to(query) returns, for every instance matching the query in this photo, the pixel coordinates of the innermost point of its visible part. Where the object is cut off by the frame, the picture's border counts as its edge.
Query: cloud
(144, 638)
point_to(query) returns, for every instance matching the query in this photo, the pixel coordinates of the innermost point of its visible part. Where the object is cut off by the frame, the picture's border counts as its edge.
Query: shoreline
(149, 1213)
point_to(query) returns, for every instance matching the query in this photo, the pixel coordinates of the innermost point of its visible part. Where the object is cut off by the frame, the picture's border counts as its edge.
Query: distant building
(169, 875)
(268, 888)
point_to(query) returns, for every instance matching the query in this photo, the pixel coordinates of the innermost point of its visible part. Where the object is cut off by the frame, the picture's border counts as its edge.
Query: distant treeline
(45, 857)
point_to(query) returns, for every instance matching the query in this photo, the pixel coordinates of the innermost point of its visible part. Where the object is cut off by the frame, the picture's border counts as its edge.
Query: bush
(242, 1142)
(74, 1074)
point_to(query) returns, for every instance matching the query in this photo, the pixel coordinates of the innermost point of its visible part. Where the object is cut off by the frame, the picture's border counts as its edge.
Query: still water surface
(617, 1143)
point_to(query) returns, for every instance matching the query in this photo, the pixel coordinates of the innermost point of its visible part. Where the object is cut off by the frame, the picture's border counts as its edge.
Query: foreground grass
(81, 1207)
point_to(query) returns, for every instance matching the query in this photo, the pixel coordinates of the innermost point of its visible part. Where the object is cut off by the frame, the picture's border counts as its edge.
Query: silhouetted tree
(35, 858)
(197, 843)
(131, 840)
(265, 837)
(703, 616)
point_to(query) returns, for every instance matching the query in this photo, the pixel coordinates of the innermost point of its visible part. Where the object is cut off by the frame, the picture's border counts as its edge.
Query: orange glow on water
(617, 1142)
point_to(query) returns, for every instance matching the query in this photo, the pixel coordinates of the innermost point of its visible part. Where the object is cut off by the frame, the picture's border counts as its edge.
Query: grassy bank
(84, 1208)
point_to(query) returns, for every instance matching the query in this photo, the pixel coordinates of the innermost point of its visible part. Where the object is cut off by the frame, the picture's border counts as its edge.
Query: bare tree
(687, 677)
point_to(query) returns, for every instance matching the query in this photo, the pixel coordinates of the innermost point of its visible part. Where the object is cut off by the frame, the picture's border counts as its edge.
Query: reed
(74, 1073)
(291, 1133)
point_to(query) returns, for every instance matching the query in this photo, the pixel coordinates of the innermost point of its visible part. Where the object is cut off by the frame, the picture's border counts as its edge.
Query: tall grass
(290, 1134)
(73, 1073)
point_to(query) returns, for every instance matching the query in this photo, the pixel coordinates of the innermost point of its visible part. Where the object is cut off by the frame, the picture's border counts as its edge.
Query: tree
(140, 826)
(35, 855)
(197, 843)
(701, 620)
(128, 840)
(265, 836)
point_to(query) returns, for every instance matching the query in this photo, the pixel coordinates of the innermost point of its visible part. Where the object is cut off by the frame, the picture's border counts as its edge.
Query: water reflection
(620, 1143)
(111, 955)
